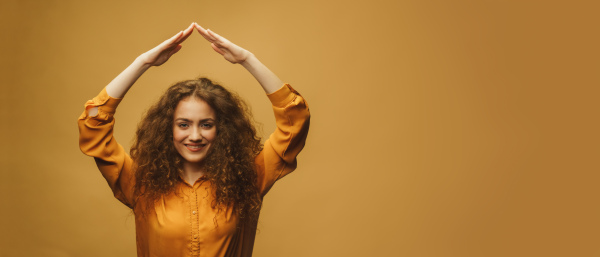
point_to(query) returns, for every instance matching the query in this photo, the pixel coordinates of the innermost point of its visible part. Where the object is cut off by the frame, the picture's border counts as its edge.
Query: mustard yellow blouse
(183, 223)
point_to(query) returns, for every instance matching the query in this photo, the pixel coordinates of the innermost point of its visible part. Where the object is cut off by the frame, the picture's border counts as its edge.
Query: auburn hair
(229, 164)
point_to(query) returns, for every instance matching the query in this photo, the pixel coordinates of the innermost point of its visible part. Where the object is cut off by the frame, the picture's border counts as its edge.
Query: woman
(197, 173)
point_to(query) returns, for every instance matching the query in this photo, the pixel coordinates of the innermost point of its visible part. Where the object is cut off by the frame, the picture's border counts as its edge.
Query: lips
(195, 147)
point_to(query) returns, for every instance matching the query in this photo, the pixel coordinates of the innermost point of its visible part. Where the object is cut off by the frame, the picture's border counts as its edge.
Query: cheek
(210, 135)
(178, 135)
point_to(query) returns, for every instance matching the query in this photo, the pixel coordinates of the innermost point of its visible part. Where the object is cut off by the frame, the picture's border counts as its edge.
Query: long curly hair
(229, 164)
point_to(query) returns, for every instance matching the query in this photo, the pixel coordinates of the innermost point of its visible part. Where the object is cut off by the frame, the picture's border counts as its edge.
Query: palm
(157, 57)
(161, 53)
(230, 51)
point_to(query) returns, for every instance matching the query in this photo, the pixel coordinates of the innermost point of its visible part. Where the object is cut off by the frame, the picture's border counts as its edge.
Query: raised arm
(292, 116)
(235, 54)
(97, 120)
(158, 55)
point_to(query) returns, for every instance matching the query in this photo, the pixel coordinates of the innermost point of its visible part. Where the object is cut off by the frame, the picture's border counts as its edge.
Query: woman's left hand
(161, 53)
(230, 51)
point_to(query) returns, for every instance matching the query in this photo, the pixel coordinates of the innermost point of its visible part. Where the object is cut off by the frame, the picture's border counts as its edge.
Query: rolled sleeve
(96, 140)
(278, 157)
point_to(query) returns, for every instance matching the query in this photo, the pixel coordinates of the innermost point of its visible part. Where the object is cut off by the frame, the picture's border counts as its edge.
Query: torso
(186, 221)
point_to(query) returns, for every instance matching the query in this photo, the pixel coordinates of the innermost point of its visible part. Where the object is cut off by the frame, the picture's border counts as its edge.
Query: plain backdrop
(439, 128)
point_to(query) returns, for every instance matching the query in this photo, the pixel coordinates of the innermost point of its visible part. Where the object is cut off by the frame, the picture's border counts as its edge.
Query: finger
(198, 27)
(215, 36)
(174, 38)
(191, 27)
(221, 42)
(217, 49)
(203, 32)
(186, 33)
(171, 40)
(206, 36)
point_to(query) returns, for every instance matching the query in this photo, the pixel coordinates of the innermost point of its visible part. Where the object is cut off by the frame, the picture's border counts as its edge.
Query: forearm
(267, 79)
(119, 86)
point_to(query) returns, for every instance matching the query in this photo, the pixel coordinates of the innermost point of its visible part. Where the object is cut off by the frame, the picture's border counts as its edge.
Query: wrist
(142, 62)
(249, 61)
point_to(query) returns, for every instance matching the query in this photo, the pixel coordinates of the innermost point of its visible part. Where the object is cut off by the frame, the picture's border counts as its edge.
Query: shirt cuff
(283, 96)
(104, 102)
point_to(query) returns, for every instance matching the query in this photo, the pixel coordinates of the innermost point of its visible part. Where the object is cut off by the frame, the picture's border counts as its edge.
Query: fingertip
(175, 37)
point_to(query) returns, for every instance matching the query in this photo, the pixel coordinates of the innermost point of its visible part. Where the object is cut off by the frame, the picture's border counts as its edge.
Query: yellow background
(439, 128)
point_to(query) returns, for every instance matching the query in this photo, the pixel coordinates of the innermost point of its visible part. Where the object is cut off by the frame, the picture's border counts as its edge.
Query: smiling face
(194, 130)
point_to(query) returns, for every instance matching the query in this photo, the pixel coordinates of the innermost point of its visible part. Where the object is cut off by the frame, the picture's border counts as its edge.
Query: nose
(195, 134)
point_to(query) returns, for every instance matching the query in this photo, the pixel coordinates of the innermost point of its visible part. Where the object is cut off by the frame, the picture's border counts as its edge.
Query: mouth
(195, 147)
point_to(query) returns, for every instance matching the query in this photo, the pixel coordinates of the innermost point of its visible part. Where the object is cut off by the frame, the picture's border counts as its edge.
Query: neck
(192, 172)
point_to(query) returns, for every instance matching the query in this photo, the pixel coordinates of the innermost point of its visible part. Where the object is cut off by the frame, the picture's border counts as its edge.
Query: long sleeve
(96, 140)
(278, 157)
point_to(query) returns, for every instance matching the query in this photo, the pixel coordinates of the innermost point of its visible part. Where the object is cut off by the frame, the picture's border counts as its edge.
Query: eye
(206, 125)
(182, 125)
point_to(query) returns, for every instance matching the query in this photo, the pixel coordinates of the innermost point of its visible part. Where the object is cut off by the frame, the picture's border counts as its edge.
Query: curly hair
(229, 164)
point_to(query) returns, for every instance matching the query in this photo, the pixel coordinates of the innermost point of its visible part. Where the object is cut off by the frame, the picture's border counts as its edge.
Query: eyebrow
(188, 120)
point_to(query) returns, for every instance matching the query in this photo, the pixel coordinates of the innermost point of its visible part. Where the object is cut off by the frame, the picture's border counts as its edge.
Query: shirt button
(195, 236)
(194, 212)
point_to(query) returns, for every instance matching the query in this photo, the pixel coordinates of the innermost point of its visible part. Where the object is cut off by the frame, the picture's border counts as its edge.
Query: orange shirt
(183, 222)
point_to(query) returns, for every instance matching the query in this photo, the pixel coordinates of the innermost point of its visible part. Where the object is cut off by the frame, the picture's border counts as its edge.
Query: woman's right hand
(119, 86)
(161, 53)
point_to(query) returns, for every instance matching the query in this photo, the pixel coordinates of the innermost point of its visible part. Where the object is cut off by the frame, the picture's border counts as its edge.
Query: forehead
(192, 108)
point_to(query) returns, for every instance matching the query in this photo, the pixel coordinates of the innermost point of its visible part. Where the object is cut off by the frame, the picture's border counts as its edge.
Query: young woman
(197, 173)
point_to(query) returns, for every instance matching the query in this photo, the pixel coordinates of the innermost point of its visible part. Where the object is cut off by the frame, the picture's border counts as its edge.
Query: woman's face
(194, 129)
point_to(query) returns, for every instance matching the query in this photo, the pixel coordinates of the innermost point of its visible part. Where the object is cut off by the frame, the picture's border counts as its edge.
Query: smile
(194, 148)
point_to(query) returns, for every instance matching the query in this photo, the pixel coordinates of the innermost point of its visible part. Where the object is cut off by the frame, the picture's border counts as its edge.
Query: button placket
(195, 222)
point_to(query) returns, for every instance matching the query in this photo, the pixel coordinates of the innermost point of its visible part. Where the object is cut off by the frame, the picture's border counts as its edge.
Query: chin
(194, 159)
